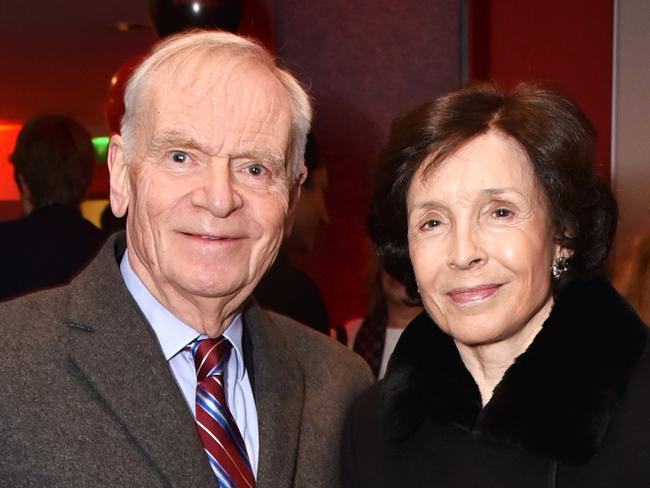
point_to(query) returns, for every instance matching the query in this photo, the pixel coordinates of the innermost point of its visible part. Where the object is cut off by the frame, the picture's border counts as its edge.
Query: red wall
(8, 133)
(568, 43)
(364, 62)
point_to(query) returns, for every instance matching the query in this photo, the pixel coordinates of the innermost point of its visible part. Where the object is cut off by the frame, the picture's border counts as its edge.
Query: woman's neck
(488, 363)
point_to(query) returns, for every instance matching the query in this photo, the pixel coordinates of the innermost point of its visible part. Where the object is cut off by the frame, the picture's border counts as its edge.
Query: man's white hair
(208, 43)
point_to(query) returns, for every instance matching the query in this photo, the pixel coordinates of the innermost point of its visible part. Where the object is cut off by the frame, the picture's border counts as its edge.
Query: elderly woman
(526, 368)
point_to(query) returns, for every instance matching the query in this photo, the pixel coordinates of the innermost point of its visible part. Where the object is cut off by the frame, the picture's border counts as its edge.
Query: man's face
(208, 186)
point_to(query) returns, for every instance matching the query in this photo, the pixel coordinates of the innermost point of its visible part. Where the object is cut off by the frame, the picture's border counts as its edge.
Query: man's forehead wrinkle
(253, 98)
(267, 115)
(231, 73)
(235, 105)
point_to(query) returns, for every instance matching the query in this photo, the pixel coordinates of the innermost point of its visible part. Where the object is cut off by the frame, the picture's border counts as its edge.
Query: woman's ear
(561, 239)
(563, 254)
(118, 168)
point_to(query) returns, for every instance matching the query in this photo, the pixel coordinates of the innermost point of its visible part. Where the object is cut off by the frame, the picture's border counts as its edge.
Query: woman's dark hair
(555, 135)
(55, 158)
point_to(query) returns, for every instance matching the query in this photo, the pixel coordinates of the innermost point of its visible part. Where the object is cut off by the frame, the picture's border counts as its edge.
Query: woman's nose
(466, 250)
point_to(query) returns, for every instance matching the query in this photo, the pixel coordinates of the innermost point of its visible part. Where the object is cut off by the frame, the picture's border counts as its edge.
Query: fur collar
(556, 400)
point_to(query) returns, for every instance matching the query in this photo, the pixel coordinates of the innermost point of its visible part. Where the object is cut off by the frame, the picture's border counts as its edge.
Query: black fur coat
(572, 411)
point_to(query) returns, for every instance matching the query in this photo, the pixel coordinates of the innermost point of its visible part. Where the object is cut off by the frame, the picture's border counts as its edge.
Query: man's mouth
(211, 237)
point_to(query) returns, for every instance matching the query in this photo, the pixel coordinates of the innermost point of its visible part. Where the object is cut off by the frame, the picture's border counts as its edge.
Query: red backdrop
(567, 43)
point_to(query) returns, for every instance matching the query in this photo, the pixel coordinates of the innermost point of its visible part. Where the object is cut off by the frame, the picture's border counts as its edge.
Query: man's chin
(215, 292)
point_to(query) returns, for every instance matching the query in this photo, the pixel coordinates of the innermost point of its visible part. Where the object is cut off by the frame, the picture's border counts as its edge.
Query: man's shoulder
(31, 326)
(37, 304)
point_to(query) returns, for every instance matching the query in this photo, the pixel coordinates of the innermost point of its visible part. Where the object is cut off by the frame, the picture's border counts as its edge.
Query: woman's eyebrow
(501, 191)
(428, 204)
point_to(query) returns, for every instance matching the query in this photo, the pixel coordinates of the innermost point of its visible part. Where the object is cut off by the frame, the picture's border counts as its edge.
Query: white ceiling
(58, 56)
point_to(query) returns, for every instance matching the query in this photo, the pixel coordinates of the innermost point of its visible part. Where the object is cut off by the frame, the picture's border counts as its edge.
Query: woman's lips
(473, 294)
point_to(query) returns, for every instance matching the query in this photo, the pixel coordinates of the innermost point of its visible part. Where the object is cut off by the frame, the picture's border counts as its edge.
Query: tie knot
(210, 356)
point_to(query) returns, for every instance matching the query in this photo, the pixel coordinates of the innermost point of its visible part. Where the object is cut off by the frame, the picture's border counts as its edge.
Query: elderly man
(153, 368)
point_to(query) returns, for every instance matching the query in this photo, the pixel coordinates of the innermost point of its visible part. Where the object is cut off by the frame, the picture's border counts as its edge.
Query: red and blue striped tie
(221, 438)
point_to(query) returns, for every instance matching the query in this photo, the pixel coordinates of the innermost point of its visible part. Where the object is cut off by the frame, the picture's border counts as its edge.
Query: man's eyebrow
(173, 138)
(263, 156)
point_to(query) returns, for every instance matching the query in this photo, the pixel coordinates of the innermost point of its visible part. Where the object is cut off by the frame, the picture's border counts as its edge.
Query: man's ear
(294, 197)
(119, 171)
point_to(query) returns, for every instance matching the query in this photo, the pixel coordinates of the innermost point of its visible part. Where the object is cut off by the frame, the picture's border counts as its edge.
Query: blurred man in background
(53, 165)
(285, 288)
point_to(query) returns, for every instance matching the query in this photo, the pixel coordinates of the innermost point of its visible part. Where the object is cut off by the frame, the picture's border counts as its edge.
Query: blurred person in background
(109, 223)
(53, 165)
(285, 288)
(390, 310)
(633, 279)
(526, 368)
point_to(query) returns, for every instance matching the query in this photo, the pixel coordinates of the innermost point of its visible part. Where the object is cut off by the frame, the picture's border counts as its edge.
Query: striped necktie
(216, 427)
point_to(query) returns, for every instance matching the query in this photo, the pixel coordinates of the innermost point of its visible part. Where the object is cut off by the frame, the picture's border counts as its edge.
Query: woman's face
(480, 240)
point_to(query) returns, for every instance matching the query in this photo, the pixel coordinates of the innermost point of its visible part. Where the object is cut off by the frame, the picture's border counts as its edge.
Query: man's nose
(217, 191)
(466, 250)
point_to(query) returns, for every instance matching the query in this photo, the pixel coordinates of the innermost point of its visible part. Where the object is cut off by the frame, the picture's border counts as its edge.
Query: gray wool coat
(87, 398)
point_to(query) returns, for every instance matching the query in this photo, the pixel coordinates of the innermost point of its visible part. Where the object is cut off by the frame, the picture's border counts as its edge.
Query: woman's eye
(179, 156)
(502, 212)
(430, 224)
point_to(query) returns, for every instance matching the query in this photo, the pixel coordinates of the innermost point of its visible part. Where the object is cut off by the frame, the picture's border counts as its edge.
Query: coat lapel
(279, 397)
(117, 354)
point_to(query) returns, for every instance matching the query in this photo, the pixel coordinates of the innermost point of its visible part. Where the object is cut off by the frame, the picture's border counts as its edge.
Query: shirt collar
(173, 334)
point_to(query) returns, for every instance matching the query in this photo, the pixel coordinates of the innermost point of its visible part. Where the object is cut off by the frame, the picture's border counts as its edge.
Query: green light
(101, 148)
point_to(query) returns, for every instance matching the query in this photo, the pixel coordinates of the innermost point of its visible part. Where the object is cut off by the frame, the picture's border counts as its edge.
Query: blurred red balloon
(171, 16)
(114, 109)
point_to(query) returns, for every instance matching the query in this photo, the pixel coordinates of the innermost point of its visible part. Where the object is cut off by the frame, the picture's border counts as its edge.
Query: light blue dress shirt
(173, 335)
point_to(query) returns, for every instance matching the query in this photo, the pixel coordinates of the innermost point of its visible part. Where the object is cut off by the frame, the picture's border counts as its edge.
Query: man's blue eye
(179, 156)
(255, 169)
